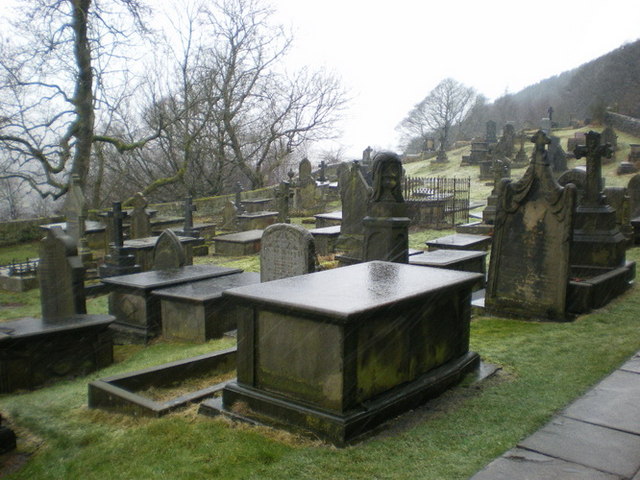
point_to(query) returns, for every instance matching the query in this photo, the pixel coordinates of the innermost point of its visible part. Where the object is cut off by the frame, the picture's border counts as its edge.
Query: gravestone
(187, 229)
(577, 176)
(168, 252)
(287, 250)
(229, 216)
(491, 137)
(61, 276)
(505, 146)
(283, 195)
(529, 268)
(322, 173)
(597, 241)
(609, 136)
(306, 187)
(354, 192)
(557, 156)
(76, 216)
(238, 202)
(386, 226)
(366, 156)
(441, 156)
(521, 159)
(140, 219)
(304, 173)
(118, 261)
(500, 169)
(618, 199)
(634, 195)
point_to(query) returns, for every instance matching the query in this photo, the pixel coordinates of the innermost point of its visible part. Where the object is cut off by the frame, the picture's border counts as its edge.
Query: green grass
(19, 252)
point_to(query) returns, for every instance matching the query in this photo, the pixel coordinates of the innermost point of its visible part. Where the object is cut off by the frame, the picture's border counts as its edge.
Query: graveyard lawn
(544, 366)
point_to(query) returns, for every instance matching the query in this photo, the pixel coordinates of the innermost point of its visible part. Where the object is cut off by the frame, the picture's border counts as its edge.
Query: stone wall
(628, 125)
(19, 231)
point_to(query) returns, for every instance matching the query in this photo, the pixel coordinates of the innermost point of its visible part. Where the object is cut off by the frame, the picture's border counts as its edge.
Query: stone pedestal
(597, 240)
(341, 351)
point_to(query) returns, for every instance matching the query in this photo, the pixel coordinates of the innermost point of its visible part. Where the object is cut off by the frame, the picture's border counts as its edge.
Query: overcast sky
(391, 54)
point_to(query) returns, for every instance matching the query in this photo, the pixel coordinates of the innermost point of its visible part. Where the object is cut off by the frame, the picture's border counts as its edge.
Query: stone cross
(323, 171)
(189, 208)
(117, 215)
(593, 152)
(550, 112)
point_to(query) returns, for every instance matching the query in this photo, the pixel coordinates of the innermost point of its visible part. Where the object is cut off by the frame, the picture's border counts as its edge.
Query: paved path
(595, 438)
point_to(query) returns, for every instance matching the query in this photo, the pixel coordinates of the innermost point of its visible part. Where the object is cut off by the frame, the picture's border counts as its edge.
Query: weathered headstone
(140, 219)
(354, 192)
(188, 229)
(322, 173)
(577, 176)
(521, 159)
(557, 156)
(168, 252)
(597, 241)
(500, 169)
(618, 199)
(386, 225)
(117, 262)
(528, 273)
(634, 195)
(491, 136)
(61, 276)
(287, 250)
(304, 173)
(505, 146)
(229, 216)
(283, 195)
(76, 216)
(238, 192)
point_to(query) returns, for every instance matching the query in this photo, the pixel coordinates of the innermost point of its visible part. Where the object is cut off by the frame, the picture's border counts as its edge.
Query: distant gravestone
(366, 156)
(283, 195)
(354, 193)
(577, 176)
(529, 269)
(491, 137)
(140, 219)
(168, 252)
(76, 216)
(618, 199)
(229, 216)
(286, 251)
(609, 136)
(118, 261)
(521, 159)
(386, 226)
(557, 156)
(505, 146)
(634, 195)
(61, 277)
(189, 208)
(304, 173)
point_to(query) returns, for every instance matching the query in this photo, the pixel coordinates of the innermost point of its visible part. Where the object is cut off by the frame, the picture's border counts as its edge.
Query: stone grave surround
(339, 352)
(286, 251)
(65, 341)
(529, 267)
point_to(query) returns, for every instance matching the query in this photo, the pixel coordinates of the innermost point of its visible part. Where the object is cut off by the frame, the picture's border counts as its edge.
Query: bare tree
(443, 109)
(53, 73)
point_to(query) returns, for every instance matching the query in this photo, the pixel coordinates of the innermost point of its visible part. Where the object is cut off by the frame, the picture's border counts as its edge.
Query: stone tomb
(330, 219)
(325, 239)
(143, 249)
(137, 310)
(65, 341)
(529, 268)
(460, 241)
(256, 220)
(196, 311)
(461, 260)
(237, 244)
(341, 351)
(287, 250)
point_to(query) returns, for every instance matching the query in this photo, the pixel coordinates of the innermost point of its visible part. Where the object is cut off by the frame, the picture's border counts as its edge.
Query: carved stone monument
(229, 216)
(283, 196)
(521, 159)
(118, 262)
(354, 192)
(491, 136)
(529, 268)
(287, 251)
(386, 226)
(140, 218)
(168, 252)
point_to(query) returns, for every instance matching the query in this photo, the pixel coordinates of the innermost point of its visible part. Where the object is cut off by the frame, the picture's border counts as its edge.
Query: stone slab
(633, 364)
(461, 260)
(613, 403)
(461, 241)
(520, 464)
(331, 293)
(241, 243)
(196, 312)
(589, 445)
(256, 220)
(328, 219)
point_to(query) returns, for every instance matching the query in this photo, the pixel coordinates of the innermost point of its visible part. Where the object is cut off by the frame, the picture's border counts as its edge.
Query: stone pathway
(595, 438)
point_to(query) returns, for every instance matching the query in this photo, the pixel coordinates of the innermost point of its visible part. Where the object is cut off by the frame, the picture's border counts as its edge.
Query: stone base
(34, 352)
(597, 288)
(13, 283)
(475, 228)
(238, 244)
(247, 403)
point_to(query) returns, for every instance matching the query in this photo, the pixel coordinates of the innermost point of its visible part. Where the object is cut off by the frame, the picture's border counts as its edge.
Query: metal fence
(438, 201)
(21, 269)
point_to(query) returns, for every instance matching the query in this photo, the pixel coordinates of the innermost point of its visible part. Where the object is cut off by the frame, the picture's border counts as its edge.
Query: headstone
(634, 195)
(140, 219)
(441, 157)
(609, 137)
(322, 175)
(366, 156)
(61, 277)
(287, 250)
(491, 132)
(229, 216)
(283, 195)
(304, 173)
(597, 241)
(168, 252)
(354, 192)
(189, 208)
(529, 268)
(386, 225)
(505, 146)
(76, 216)
(238, 192)
(618, 199)
(577, 176)
(557, 156)
(500, 169)
(117, 262)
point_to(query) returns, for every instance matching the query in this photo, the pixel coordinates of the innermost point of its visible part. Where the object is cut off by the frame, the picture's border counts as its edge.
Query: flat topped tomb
(328, 219)
(256, 220)
(197, 312)
(325, 239)
(142, 249)
(34, 351)
(462, 260)
(461, 241)
(254, 205)
(340, 351)
(237, 244)
(137, 311)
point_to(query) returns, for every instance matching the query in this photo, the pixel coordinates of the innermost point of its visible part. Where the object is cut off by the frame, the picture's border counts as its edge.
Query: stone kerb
(287, 250)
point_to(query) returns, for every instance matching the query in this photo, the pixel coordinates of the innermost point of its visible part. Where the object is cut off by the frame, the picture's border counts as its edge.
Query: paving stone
(633, 365)
(612, 403)
(589, 445)
(520, 464)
